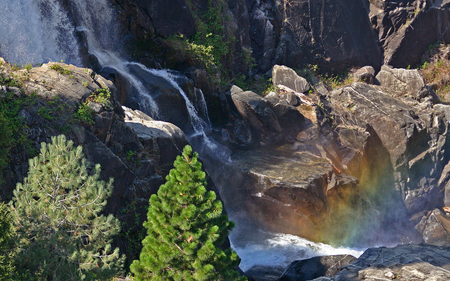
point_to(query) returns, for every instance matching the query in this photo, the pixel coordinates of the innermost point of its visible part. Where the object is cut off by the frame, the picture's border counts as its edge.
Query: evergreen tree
(6, 267)
(185, 228)
(61, 234)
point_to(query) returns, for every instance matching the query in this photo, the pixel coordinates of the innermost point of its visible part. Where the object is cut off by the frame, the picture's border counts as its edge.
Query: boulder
(72, 83)
(270, 119)
(161, 138)
(256, 110)
(435, 228)
(365, 74)
(309, 269)
(405, 82)
(264, 273)
(283, 75)
(289, 191)
(403, 262)
(394, 122)
(112, 167)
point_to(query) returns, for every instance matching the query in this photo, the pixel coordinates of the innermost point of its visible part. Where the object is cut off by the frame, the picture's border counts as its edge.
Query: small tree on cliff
(185, 228)
(61, 234)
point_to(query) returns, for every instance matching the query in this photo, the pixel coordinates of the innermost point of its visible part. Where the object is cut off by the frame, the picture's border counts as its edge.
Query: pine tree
(61, 234)
(6, 266)
(185, 228)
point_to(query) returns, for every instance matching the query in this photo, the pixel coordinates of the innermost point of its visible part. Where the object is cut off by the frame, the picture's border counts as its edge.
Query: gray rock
(435, 228)
(283, 75)
(405, 82)
(255, 110)
(404, 262)
(163, 138)
(364, 74)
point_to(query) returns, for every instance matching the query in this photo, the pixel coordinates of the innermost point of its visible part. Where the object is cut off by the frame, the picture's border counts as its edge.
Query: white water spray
(279, 250)
(36, 32)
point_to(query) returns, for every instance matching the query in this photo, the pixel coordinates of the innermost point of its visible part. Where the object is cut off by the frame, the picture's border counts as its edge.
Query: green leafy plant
(130, 154)
(85, 114)
(60, 69)
(185, 228)
(45, 112)
(60, 231)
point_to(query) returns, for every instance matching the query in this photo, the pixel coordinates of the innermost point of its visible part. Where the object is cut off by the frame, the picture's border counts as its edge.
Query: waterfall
(199, 126)
(40, 31)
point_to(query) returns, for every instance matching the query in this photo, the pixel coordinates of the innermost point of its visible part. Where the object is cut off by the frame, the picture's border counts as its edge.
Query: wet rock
(287, 190)
(166, 94)
(264, 273)
(309, 269)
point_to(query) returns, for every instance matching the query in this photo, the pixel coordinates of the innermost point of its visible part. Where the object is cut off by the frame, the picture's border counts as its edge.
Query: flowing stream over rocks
(82, 30)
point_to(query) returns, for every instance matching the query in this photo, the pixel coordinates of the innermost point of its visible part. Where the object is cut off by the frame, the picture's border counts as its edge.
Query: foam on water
(282, 249)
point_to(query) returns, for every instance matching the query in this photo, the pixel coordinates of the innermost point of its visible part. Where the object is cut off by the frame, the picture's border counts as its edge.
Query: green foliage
(185, 228)
(6, 234)
(45, 112)
(10, 82)
(60, 231)
(85, 113)
(101, 95)
(60, 69)
(6, 141)
(130, 154)
(12, 126)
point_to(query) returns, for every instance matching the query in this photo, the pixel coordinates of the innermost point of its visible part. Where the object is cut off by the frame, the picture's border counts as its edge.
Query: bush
(185, 228)
(60, 232)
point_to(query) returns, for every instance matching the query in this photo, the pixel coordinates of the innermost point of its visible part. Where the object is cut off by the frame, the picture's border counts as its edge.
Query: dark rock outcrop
(406, 28)
(309, 269)
(301, 32)
(271, 119)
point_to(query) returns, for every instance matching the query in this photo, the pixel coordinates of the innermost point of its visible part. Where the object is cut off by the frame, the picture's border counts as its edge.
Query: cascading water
(43, 31)
(35, 32)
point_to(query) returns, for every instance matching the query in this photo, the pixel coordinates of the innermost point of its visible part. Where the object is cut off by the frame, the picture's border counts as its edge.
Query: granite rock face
(404, 262)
